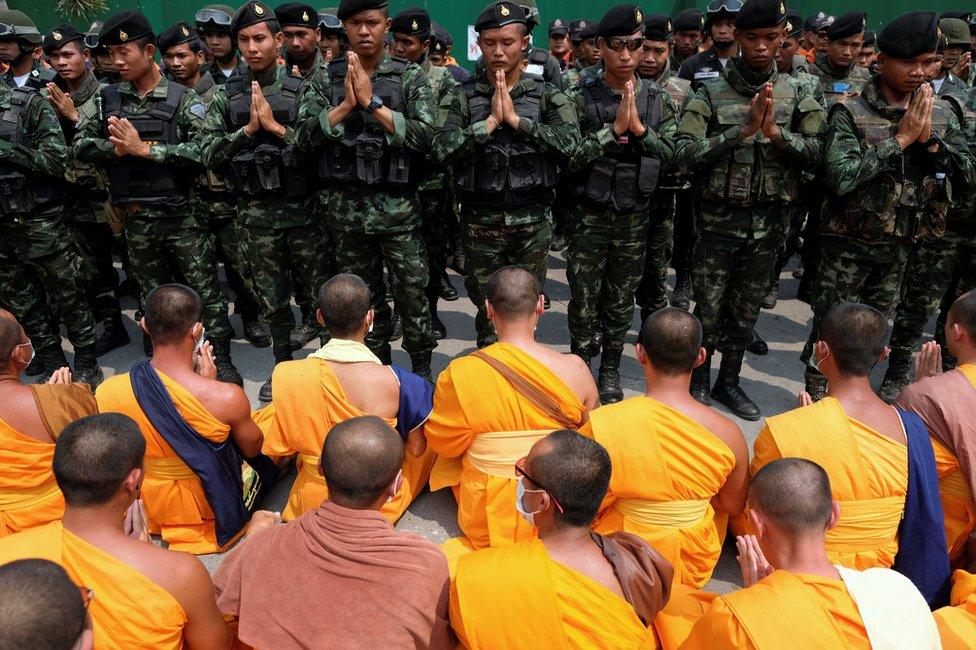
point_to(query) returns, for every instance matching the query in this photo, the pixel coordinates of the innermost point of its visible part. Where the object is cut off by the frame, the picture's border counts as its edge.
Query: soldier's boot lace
(896, 377)
(420, 364)
(86, 367)
(113, 336)
(609, 377)
(727, 390)
(815, 384)
(281, 353)
(46, 361)
(301, 335)
(701, 379)
(681, 296)
(225, 367)
(256, 333)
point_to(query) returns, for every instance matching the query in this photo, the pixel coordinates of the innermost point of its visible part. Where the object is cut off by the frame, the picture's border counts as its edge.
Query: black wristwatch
(375, 103)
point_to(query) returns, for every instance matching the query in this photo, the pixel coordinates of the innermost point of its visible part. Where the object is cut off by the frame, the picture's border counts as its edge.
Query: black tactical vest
(132, 179)
(363, 156)
(20, 196)
(623, 180)
(267, 167)
(506, 171)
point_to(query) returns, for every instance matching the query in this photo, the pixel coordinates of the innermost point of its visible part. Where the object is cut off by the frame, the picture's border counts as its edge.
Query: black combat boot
(758, 346)
(896, 377)
(815, 384)
(113, 336)
(440, 329)
(86, 367)
(447, 290)
(609, 377)
(420, 364)
(397, 332)
(727, 390)
(256, 333)
(701, 380)
(301, 335)
(769, 302)
(225, 367)
(281, 353)
(681, 296)
(459, 260)
(48, 360)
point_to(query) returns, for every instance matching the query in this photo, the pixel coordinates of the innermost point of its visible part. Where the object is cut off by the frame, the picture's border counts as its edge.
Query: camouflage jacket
(218, 75)
(441, 84)
(86, 181)
(317, 62)
(953, 85)
(961, 218)
(43, 150)
(214, 187)
(835, 82)
(677, 88)
(38, 77)
(880, 193)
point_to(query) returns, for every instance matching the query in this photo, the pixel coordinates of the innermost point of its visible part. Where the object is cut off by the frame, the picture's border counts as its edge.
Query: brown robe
(61, 404)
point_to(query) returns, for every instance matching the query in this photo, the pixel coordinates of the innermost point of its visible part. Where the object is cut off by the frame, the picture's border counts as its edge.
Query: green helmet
(216, 18)
(18, 25)
(531, 13)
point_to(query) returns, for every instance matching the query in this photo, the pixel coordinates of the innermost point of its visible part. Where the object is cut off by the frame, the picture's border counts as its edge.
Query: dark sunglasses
(214, 16)
(618, 44)
(521, 472)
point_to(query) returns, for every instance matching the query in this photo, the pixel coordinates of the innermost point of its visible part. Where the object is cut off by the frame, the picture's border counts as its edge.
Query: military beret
(760, 14)
(175, 35)
(124, 27)
(413, 21)
(499, 14)
(870, 38)
(621, 20)
(658, 27)
(440, 35)
(349, 8)
(250, 13)
(849, 24)
(588, 30)
(794, 24)
(956, 32)
(296, 14)
(60, 36)
(689, 20)
(574, 30)
(910, 35)
(817, 21)
(558, 26)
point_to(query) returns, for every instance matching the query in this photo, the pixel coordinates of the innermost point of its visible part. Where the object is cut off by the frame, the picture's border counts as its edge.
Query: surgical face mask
(203, 337)
(520, 493)
(33, 351)
(815, 363)
(397, 485)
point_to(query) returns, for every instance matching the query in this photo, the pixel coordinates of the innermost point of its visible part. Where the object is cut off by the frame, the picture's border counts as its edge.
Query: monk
(144, 596)
(340, 575)
(41, 608)
(31, 418)
(674, 460)
(493, 404)
(957, 622)
(342, 380)
(570, 587)
(947, 404)
(186, 416)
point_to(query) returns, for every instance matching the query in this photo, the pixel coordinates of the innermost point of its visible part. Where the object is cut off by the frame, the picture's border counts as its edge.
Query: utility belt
(270, 170)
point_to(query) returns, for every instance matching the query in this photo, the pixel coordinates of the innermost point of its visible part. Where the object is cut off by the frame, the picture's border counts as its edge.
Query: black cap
(870, 38)
(794, 24)
(499, 14)
(413, 21)
(174, 35)
(296, 14)
(588, 30)
(349, 8)
(621, 20)
(124, 27)
(689, 20)
(558, 26)
(60, 36)
(658, 27)
(910, 35)
(849, 24)
(761, 14)
(574, 30)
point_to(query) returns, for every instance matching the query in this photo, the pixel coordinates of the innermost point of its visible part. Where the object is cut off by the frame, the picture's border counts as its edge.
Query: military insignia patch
(56, 36)
(414, 25)
(258, 9)
(198, 111)
(123, 36)
(305, 16)
(186, 32)
(638, 16)
(503, 10)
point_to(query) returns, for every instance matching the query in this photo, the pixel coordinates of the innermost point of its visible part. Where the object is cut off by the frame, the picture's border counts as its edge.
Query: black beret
(440, 35)
(60, 36)
(870, 38)
(558, 26)
(499, 14)
(124, 27)
(849, 24)
(178, 33)
(349, 8)
(794, 24)
(250, 13)
(622, 20)
(760, 14)
(296, 14)
(817, 21)
(413, 21)
(658, 27)
(910, 35)
(574, 30)
(588, 30)
(689, 20)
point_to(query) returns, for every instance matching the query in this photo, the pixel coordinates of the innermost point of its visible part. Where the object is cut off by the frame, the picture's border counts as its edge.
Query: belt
(310, 465)
(496, 452)
(22, 498)
(866, 525)
(666, 514)
(172, 468)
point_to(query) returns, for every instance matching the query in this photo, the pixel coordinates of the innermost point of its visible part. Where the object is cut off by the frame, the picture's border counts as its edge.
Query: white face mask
(203, 337)
(33, 351)
(815, 363)
(520, 493)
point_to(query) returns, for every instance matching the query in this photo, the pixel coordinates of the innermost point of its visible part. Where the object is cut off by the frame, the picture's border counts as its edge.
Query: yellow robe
(471, 401)
(128, 609)
(957, 622)
(309, 401)
(784, 610)
(666, 469)
(957, 502)
(517, 597)
(176, 505)
(868, 476)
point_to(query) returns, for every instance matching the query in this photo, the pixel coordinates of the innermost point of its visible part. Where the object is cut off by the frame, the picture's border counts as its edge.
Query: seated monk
(342, 380)
(193, 491)
(947, 404)
(143, 596)
(31, 418)
(570, 587)
(957, 622)
(346, 577)
(798, 599)
(493, 404)
(672, 457)
(41, 608)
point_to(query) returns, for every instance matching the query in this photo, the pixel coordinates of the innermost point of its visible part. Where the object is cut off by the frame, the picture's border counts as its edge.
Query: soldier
(102, 65)
(19, 39)
(688, 26)
(840, 75)
(893, 153)
(869, 53)
(440, 53)
(368, 119)
(719, 25)
(213, 25)
(538, 60)
(957, 46)
(747, 134)
(559, 43)
(86, 195)
(507, 133)
(299, 27)
(787, 59)
(628, 128)
(333, 43)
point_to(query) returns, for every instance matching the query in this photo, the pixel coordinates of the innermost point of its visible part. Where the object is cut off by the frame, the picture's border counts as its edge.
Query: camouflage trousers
(683, 239)
(855, 271)
(231, 249)
(436, 214)
(96, 242)
(491, 247)
(166, 248)
(963, 280)
(791, 240)
(23, 295)
(652, 290)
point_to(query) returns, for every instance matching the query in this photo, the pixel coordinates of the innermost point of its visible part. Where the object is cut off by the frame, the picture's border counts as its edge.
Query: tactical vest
(267, 167)
(88, 178)
(214, 185)
(23, 193)
(506, 171)
(907, 202)
(960, 216)
(132, 179)
(834, 88)
(363, 154)
(622, 180)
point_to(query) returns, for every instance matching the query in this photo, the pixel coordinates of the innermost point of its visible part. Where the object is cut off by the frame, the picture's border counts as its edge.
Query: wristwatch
(374, 104)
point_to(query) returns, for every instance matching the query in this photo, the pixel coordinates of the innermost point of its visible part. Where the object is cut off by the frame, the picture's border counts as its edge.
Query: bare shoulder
(180, 574)
(719, 425)
(224, 400)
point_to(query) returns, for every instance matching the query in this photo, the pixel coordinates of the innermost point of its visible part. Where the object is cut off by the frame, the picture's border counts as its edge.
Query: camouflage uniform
(40, 76)
(498, 228)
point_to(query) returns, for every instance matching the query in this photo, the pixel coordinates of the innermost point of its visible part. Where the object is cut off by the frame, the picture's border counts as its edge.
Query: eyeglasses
(618, 44)
(214, 16)
(724, 6)
(521, 472)
(329, 21)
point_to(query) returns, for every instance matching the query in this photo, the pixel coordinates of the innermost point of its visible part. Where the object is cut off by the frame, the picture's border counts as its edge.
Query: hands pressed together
(126, 138)
(628, 117)
(62, 103)
(761, 115)
(262, 117)
(502, 106)
(916, 123)
(751, 560)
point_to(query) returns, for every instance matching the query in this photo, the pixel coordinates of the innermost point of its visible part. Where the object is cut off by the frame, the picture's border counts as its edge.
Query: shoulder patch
(198, 111)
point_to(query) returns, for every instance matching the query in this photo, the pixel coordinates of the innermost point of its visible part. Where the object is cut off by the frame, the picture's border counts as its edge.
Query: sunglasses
(728, 6)
(521, 472)
(214, 16)
(618, 44)
(329, 21)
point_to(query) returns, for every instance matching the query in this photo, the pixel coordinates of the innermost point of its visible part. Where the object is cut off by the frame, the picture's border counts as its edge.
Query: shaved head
(513, 292)
(856, 335)
(39, 606)
(94, 455)
(575, 471)
(360, 460)
(344, 301)
(671, 338)
(794, 494)
(11, 335)
(171, 312)
(963, 313)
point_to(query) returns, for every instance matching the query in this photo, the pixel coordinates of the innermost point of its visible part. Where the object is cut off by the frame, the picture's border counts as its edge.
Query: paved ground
(772, 381)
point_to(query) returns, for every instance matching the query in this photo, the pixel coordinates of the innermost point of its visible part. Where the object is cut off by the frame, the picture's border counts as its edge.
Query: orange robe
(176, 505)
(957, 502)
(309, 401)
(868, 477)
(666, 469)
(479, 428)
(128, 609)
(957, 622)
(517, 597)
